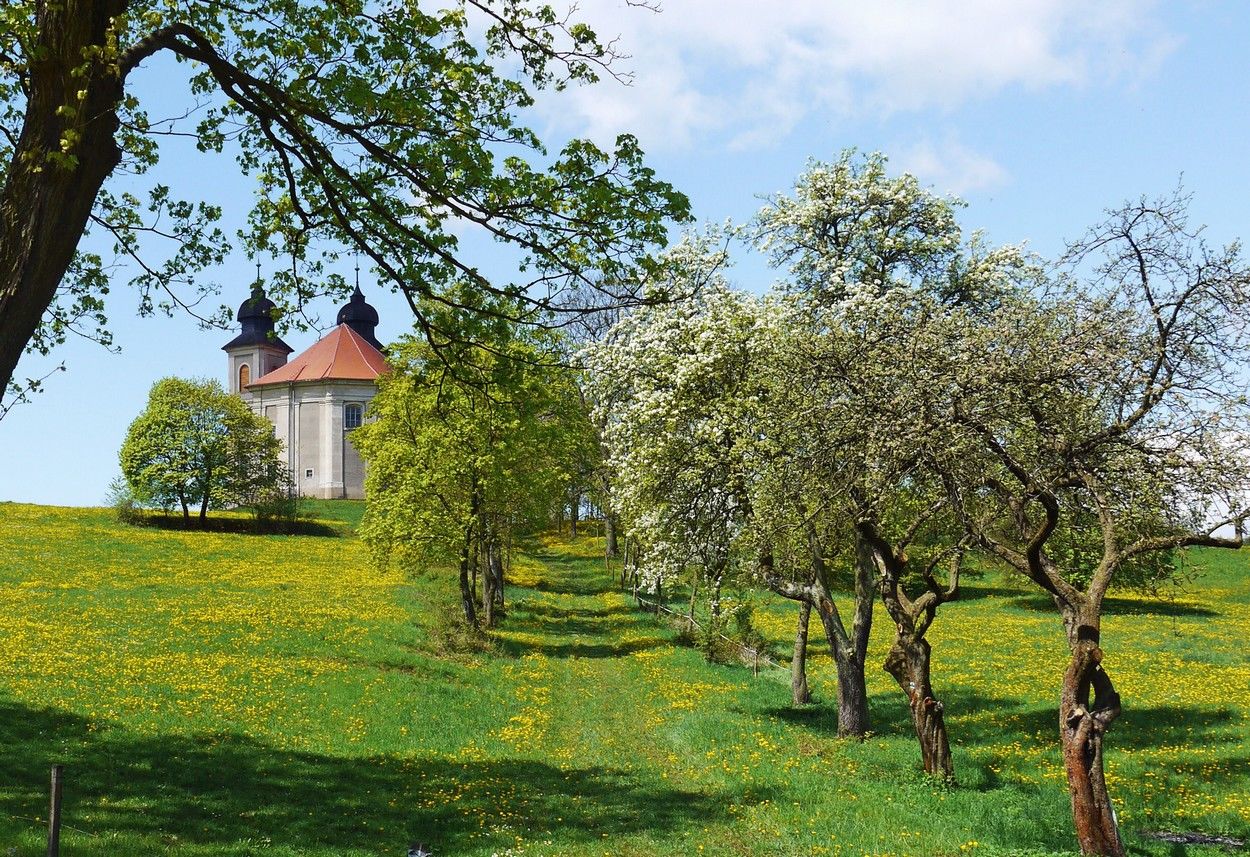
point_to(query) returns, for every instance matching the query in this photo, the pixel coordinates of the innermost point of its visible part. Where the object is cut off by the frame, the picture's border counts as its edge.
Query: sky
(1040, 114)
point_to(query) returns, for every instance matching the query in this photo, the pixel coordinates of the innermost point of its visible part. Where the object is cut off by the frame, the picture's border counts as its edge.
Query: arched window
(245, 375)
(353, 416)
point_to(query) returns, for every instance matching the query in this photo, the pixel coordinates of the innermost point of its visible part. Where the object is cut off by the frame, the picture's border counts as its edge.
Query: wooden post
(757, 662)
(54, 813)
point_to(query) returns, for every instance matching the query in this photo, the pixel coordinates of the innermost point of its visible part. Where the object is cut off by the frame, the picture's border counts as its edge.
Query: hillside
(218, 694)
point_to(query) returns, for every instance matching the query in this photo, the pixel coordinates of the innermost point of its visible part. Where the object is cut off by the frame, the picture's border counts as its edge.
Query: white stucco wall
(307, 417)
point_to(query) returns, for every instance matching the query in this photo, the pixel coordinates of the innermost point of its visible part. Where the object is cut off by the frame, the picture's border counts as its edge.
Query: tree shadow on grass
(214, 790)
(240, 526)
(535, 608)
(1113, 605)
(1120, 605)
(580, 649)
(580, 633)
(887, 714)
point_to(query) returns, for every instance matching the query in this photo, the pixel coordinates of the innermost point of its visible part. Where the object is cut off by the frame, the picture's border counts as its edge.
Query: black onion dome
(360, 317)
(257, 307)
(256, 317)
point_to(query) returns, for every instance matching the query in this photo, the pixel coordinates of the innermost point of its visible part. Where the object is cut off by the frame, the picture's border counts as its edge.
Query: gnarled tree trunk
(908, 663)
(1082, 725)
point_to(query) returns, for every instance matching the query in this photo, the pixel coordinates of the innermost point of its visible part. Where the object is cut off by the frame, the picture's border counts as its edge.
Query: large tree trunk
(908, 661)
(609, 530)
(575, 508)
(48, 194)
(799, 693)
(852, 687)
(1081, 729)
(849, 649)
(852, 698)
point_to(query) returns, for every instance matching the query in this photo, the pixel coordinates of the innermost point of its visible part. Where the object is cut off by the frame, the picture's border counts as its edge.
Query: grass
(222, 694)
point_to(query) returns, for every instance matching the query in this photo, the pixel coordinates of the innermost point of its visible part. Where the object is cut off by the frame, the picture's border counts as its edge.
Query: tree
(194, 444)
(368, 125)
(870, 260)
(673, 388)
(1115, 400)
(458, 461)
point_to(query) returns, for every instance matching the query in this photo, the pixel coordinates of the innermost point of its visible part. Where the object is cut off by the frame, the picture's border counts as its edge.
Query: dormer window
(245, 376)
(353, 416)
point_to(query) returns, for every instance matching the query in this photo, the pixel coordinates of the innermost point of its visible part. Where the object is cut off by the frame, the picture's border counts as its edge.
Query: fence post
(757, 662)
(54, 813)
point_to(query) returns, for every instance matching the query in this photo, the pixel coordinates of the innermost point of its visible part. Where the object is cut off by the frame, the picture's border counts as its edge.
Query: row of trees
(906, 396)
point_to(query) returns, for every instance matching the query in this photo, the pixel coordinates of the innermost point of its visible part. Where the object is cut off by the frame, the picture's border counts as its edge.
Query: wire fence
(749, 655)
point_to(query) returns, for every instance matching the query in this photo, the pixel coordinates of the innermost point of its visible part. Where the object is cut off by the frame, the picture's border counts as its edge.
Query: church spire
(359, 315)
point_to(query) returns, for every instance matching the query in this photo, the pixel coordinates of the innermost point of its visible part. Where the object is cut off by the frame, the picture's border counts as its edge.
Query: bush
(124, 503)
(275, 505)
(732, 637)
(451, 636)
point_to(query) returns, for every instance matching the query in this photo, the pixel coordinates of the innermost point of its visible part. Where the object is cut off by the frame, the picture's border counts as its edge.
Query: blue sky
(1040, 113)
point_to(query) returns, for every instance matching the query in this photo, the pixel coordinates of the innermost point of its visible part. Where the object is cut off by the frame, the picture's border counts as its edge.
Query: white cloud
(950, 167)
(746, 71)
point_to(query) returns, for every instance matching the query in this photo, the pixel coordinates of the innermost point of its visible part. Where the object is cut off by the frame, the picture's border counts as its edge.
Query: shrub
(450, 636)
(123, 501)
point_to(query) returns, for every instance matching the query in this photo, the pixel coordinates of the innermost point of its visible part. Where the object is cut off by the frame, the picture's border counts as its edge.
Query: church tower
(360, 317)
(315, 400)
(257, 350)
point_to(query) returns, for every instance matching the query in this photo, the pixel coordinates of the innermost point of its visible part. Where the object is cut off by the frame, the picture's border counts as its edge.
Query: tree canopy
(459, 461)
(197, 445)
(384, 127)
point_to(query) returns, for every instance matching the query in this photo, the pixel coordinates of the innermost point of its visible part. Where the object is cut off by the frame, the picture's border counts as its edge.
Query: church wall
(353, 469)
(308, 418)
(307, 446)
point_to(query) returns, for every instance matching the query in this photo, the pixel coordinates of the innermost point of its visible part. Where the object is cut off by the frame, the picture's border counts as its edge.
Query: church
(313, 400)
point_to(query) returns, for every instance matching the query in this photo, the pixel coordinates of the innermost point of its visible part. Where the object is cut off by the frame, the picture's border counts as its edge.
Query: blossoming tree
(1114, 402)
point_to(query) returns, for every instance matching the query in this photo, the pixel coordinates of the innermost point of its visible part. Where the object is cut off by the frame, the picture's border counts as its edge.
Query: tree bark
(496, 572)
(609, 531)
(852, 699)
(466, 594)
(488, 592)
(694, 594)
(574, 513)
(208, 481)
(908, 661)
(849, 649)
(52, 181)
(1081, 729)
(799, 693)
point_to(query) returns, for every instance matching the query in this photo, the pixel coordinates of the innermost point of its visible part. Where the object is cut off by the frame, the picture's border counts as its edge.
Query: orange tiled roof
(342, 354)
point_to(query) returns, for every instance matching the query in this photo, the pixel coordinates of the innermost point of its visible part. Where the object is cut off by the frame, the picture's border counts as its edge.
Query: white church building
(313, 400)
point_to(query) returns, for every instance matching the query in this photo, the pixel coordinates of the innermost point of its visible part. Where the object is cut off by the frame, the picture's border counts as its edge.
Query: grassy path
(237, 695)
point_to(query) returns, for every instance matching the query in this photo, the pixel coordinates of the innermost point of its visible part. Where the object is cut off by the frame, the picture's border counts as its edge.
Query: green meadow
(229, 694)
